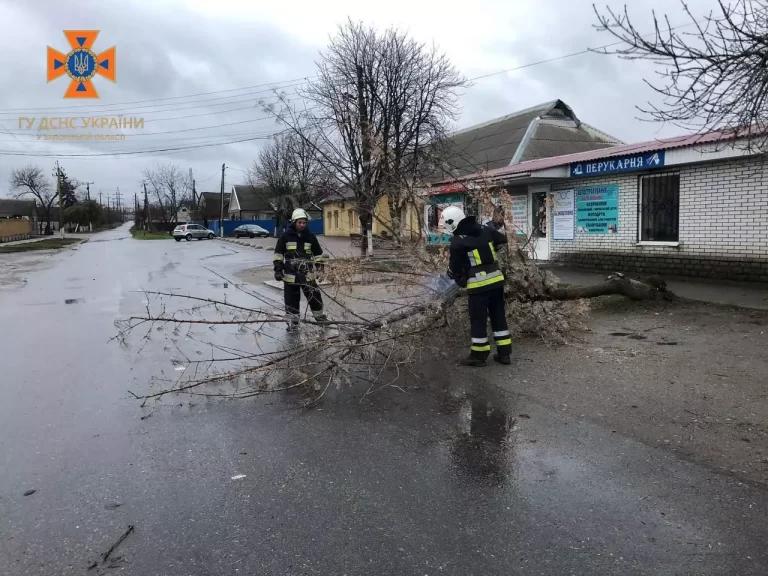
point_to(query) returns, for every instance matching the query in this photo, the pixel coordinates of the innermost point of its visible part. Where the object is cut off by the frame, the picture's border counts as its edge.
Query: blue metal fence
(315, 226)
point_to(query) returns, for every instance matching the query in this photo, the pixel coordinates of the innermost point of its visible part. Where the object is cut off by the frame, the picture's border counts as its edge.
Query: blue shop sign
(629, 163)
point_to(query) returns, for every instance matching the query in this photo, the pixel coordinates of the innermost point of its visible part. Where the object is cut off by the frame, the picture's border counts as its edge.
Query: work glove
(279, 275)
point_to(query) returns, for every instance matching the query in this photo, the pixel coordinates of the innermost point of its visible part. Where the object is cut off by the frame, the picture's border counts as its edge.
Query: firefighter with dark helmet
(474, 266)
(297, 260)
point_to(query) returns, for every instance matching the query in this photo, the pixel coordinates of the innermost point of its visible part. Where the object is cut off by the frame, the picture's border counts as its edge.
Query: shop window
(659, 208)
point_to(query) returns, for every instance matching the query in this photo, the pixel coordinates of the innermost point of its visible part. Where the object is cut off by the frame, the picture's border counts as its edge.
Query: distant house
(251, 203)
(17, 209)
(259, 203)
(341, 217)
(209, 207)
(186, 212)
(17, 219)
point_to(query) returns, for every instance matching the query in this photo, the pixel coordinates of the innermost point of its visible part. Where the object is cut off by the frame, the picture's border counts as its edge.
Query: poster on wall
(597, 209)
(519, 221)
(563, 215)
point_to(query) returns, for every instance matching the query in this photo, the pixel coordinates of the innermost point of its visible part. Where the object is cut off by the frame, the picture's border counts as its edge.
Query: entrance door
(538, 224)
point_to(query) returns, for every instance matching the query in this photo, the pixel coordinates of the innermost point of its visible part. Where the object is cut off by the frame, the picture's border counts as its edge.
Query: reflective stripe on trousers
(482, 306)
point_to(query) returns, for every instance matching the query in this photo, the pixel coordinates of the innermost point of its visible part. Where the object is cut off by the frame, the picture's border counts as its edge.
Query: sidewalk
(333, 246)
(730, 293)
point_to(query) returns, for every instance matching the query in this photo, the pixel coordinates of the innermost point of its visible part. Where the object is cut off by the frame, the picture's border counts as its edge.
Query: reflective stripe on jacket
(296, 253)
(473, 260)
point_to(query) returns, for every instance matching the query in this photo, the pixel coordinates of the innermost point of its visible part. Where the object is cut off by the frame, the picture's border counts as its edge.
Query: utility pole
(88, 199)
(192, 181)
(221, 214)
(88, 189)
(61, 204)
(146, 208)
(119, 203)
(100, 204)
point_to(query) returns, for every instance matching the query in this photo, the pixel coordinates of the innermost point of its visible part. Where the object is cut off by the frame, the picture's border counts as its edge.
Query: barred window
(659, 208)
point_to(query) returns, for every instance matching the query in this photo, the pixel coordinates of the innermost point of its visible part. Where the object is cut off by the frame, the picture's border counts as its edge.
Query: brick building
(543, 131)
(692, 205)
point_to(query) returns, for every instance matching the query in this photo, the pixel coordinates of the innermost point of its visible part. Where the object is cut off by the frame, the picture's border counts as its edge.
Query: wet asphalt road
(451, 477)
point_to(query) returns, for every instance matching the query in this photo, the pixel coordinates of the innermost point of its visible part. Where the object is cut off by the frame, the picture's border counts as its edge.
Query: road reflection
(480, 448)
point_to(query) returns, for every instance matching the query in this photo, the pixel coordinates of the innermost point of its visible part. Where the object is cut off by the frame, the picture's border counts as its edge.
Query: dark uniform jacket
(297, 254)
(473, 262)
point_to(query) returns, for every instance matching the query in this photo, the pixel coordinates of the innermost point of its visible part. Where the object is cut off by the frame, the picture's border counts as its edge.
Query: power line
(136, 152)
(273, 85)
(169, 149)
(160, 108)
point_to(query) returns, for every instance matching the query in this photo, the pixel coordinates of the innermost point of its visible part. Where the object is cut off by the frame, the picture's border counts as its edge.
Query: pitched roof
(11, 208)
(210, 204)
(253, 198)
(343, 194)
(685, 141)
(544, 130)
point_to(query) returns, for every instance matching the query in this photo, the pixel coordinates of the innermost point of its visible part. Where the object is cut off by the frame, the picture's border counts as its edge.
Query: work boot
(471, 361)
(322, 319)
(502, 359)
(293, 327)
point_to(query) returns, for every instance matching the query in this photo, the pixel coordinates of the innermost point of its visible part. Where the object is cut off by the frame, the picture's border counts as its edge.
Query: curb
(239, 243)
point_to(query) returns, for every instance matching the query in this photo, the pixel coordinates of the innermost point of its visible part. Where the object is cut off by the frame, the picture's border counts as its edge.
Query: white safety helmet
(451, 217)
(298, 214)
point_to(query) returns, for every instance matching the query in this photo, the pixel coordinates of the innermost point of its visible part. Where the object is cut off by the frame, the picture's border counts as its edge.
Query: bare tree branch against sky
(199, 74)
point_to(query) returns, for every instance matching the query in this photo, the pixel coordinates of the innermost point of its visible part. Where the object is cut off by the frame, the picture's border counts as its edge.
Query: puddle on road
(481, 446)
(74, 300)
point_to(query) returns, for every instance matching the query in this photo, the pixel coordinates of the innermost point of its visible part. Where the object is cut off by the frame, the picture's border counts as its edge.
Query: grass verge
(50, 244)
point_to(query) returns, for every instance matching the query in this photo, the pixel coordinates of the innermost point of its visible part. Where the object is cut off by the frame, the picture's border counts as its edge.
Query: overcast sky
(174, 49)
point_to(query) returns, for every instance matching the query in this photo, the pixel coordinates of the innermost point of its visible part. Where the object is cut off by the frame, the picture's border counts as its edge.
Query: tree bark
(616, 283)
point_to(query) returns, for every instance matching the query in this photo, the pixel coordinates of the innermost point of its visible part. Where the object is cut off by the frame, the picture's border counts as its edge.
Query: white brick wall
(723, 212)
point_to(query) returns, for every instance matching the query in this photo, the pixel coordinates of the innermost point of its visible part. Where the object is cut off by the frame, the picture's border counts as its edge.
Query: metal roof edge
(544, 106)
(525, 140)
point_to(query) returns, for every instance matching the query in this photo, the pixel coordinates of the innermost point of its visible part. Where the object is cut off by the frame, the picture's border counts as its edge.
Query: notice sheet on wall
(519, 221)
(563, 215)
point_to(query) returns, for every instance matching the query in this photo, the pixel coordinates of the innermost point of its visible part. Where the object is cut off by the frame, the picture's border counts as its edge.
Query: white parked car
(190, 231)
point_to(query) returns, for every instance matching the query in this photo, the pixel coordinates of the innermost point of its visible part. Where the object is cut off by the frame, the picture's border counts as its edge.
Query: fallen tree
(388, 314)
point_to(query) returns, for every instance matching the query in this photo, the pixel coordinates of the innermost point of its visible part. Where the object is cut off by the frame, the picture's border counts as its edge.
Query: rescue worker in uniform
(473, 265)
(297, 260)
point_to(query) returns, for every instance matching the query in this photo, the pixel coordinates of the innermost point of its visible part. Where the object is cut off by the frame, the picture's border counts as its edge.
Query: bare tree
(380, 100)
(289, 167)
(711, 78)
(170, 187)
(31, 181)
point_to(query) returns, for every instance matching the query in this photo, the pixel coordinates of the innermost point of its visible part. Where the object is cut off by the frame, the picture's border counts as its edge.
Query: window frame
(640, 179)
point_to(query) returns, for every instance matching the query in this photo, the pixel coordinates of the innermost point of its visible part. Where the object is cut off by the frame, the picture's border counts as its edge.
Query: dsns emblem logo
(81, 64)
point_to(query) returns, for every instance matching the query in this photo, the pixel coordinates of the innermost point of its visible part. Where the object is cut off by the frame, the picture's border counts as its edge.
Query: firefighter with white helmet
(297, 260)
(474, 266)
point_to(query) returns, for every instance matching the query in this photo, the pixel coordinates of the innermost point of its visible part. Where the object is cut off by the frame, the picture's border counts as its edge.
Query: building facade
(693, 206)
(341, 217)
